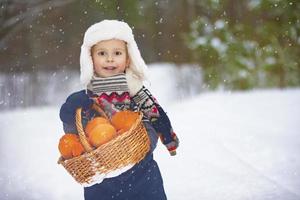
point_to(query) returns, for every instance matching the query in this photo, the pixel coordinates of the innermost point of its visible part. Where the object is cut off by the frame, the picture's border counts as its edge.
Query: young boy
(113, 71)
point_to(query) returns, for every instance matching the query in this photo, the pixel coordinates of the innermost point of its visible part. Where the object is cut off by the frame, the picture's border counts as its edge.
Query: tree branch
(28, 17)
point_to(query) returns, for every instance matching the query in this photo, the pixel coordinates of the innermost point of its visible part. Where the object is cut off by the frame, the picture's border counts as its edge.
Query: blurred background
(228, 45)
(226, 72)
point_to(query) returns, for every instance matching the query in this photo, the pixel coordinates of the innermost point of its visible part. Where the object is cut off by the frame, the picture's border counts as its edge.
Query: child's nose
(109, 58)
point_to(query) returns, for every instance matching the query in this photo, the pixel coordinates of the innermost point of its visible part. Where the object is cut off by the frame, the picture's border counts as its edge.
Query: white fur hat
(106, 30)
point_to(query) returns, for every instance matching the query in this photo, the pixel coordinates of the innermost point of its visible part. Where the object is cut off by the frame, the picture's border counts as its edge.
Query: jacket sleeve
(68, 110)
(152, 135)
(157, 116)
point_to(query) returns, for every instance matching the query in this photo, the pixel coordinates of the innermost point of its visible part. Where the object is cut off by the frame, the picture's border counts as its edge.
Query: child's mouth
(110, 68)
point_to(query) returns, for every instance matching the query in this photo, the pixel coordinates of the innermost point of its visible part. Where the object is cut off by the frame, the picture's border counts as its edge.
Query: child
(113, 71)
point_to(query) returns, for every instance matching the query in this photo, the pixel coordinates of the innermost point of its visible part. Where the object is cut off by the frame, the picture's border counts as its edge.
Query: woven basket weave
(126, 149)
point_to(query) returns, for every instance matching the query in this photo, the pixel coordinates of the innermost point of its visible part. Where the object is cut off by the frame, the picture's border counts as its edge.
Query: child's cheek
(97, 64)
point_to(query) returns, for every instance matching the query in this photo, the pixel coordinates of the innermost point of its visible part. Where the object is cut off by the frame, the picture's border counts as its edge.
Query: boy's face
(110, 57)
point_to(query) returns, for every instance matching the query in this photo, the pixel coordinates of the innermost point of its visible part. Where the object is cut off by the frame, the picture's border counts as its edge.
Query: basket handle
(78, 119)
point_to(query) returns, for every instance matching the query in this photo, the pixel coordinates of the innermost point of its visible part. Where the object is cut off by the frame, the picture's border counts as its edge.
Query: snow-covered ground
(234, 146)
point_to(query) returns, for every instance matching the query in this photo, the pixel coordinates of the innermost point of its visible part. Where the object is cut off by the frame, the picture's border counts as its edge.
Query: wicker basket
(126, 149)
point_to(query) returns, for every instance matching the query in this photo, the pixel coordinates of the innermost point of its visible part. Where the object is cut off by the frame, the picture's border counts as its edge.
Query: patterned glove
(74, 101)
(173, 145)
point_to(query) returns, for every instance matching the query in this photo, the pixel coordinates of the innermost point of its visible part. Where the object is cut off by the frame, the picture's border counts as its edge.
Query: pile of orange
(98, 131)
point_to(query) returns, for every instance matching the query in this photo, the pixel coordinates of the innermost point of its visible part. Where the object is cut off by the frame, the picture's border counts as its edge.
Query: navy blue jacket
(142, 182)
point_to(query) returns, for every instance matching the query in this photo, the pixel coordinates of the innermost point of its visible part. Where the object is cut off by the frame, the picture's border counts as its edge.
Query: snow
(236, 146)
(233, 146)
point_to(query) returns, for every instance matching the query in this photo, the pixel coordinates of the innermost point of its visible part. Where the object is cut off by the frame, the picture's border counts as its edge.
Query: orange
(93, 123)
(101, 134)
(123, 120)
(77, 149)
(70, 146)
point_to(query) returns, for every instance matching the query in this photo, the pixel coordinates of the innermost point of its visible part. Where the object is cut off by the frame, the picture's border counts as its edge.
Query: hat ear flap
(86, 65)
(133, 81)
(137, 64)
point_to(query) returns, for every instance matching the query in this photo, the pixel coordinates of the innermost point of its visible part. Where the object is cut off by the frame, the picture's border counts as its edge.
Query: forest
(238, 45)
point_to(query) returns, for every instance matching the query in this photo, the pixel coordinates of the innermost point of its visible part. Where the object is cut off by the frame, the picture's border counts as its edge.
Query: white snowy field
(234, 146)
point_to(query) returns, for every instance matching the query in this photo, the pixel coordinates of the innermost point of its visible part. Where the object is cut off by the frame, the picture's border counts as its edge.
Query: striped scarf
(112, 89)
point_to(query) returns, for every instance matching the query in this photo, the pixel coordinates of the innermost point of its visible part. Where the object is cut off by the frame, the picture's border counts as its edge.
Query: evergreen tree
(246, 44)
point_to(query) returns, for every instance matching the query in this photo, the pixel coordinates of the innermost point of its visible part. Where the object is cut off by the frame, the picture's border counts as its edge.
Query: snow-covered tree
(246, 44)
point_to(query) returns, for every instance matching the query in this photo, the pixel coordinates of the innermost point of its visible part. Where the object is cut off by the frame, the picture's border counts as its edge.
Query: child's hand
(173, 145)
(74, 101)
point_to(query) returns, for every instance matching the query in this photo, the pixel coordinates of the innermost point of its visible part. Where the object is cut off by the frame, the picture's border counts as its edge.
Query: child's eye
(101, 53)
(118, 53)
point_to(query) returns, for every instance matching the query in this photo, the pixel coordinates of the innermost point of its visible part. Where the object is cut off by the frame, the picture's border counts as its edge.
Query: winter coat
(142, 182)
